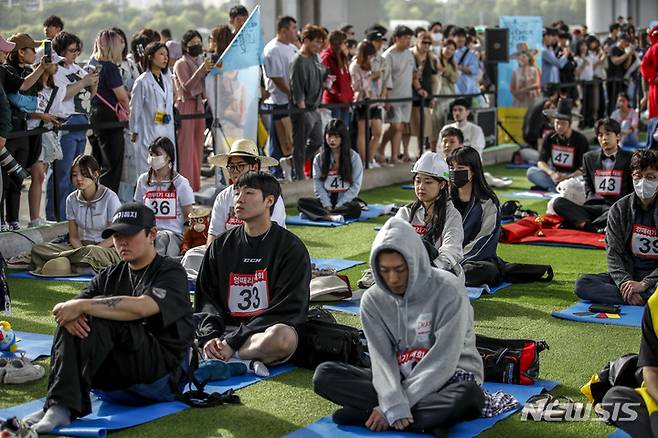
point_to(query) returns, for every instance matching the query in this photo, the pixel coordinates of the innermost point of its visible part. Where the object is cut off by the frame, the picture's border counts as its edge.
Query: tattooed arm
(119, 308)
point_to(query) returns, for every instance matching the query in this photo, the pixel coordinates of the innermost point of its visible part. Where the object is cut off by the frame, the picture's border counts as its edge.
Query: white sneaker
(337, 218)
(19, 370)
(374, 164)
(38, 222)
(286, 166)
(21, 261)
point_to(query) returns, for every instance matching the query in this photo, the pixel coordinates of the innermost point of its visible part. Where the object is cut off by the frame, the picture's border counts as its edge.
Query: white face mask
(157, 162)
(437, 36)
(644, 188)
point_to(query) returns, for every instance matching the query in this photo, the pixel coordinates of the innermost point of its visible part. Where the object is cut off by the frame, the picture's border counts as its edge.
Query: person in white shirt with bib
(337, 177)
(632, 242)
(168, 194)
(152, 104)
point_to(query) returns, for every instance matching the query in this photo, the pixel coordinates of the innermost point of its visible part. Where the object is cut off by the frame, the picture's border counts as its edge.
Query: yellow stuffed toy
(7, 337)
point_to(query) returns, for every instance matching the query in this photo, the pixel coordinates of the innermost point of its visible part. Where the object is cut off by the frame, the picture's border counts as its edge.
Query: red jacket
(649, 70)
(341, 90)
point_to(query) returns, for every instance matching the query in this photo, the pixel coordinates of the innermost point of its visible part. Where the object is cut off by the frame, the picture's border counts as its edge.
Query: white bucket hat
(243, 148)
(432, 164)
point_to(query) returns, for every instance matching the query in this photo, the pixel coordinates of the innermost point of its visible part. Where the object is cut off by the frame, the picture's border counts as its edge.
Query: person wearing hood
(480, 210)
(152, 104)
(433, 214)
(336, 58)
(426, 371)
(89, 210)
(168, 194)
(337, 176)
(632, 242)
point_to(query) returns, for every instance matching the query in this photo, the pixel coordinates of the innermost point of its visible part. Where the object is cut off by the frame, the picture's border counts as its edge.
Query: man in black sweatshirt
(253, 285)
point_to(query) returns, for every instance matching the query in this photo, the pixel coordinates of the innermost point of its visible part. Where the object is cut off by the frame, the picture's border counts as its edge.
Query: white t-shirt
(43, 97)
(81, 102)
(277, 59)
(223, 218)
(166, 204)
(92, 217)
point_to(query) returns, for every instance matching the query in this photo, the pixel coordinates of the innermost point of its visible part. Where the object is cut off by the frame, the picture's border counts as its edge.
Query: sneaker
(366, 280)
(337, 218)
(38, 222)
(374, 164)
(286, 166)
(14, 226)
(16, 428)
(19, 370)
(21, 261)
(4, 227)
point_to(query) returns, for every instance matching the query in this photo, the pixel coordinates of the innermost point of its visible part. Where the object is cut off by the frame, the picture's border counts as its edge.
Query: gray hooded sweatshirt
(416, 341)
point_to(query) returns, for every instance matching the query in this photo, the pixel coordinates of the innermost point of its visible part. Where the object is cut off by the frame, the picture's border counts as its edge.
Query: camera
(15, 171)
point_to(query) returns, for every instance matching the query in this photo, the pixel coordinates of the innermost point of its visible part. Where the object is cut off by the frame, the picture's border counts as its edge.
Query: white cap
(432, 164)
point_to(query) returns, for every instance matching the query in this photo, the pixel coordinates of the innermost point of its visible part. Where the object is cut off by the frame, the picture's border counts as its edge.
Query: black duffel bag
(510, 360)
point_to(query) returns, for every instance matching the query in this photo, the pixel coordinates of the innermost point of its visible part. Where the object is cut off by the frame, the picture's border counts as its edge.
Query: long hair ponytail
(438, 222)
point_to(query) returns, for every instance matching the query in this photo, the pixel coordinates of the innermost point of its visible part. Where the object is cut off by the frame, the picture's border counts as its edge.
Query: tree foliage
(86, 18)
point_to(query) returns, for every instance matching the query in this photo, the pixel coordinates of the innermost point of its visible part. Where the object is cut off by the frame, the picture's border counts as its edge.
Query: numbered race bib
(421, 230)
(248, 294)
(563, 156)
(608, 182)
(163, 204)
(232, 221)
(644, 242)
(334, 183)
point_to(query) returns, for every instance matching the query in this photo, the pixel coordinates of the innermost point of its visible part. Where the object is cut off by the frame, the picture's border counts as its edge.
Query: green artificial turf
(283, 404)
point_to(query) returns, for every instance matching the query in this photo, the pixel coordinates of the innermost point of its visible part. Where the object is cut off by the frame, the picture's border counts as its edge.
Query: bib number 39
(644, 242)
(248, 294)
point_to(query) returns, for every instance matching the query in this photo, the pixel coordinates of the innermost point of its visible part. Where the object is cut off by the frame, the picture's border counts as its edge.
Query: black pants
(20, 149)
(307, 137)
(601, 288)
(595, 216)
(312, 207)
(615, 86)
(588, 104)
(351, 387)
(115, 355)
(644, 426)
(482, 272)
(110, 144)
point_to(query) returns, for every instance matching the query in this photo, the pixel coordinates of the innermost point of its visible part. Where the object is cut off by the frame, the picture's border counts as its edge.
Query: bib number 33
(248, 294)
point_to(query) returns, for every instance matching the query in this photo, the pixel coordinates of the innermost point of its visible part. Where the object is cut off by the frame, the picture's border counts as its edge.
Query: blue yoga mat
(337, 264)
(619, 434)
(631, 316)
(529, 195)
(407, 187)
(325, 427)
(520, 166)
(33, 345)
(25, 275)
(353, 307)
(373, 211)
(108, 416)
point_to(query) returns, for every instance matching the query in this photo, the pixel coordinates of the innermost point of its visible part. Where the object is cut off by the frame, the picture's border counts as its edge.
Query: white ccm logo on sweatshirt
(423, 327)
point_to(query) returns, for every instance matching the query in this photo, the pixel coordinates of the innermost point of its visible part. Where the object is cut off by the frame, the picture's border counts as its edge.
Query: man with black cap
(132, 325)
(562, 152)
(473, 134)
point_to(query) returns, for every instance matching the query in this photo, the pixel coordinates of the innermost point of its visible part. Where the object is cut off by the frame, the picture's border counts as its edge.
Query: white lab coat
(147, 99)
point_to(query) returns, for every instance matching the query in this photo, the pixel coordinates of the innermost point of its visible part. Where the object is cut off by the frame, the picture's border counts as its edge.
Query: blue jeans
(541, 179)
(274, 148)
(342, 114)
(630, 140)
(601, 288)
(73, 144)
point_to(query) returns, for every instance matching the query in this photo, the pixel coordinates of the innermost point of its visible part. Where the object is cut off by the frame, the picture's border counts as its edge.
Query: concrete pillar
(599, 15)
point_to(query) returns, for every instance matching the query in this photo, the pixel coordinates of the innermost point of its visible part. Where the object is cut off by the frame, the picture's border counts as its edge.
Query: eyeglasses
(236, 167)
(77, 50)
(427, 42)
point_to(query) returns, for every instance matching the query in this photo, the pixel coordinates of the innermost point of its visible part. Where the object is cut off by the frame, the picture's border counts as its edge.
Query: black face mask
(195, 50)
(459, 178)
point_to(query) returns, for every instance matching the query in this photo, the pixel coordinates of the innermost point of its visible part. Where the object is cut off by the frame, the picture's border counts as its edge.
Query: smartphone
(48, 51)
(605, 308)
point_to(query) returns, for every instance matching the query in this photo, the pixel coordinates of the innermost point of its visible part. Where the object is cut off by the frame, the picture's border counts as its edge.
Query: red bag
(510, 360)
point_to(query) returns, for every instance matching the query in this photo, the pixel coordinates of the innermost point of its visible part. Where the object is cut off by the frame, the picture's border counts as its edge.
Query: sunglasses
(427, 42)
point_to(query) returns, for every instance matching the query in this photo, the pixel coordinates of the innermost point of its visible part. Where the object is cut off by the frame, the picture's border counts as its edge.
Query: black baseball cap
(375, 35)
(130, 219)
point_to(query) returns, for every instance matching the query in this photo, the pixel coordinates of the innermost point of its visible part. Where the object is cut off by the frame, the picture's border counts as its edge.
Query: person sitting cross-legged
(632, 242)
(130, 329)
(426, 372)
(253, 286)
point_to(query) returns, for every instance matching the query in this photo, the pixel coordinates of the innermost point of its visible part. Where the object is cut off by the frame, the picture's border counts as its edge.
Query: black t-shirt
(616, 71)
(428, 69)
(643, 243)
(164, 280)
(252, 283)
(109, 79)
(648, 356)
(565, 155)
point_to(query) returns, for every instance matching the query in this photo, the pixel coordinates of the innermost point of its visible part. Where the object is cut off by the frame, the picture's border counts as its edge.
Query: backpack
(5, 300)
(513, 361)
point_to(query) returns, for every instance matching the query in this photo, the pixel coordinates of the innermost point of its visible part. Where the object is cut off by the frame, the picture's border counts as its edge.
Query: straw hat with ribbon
(243, 148)
(57, 267)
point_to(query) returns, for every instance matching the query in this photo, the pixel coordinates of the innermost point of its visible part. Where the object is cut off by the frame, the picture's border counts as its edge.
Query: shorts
(414, 122)
(34, 150)
(399, 113)
(375, 113)
(232, 328)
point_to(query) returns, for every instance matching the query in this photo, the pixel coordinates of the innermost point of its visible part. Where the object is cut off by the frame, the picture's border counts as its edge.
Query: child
(480, 211)
(433, 215)
(337, 175)
(89, 210)
(168, 194)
